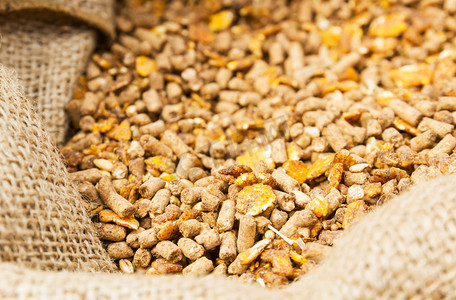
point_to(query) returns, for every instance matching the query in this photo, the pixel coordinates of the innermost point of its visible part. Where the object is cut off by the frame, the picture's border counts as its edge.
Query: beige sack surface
(48, 54)
(42, 220)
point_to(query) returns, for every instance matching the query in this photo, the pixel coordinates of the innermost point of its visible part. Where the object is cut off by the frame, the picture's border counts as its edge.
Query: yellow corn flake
(319, 206)
(254, 199)
(350, 74)
(404, 126)
(381, 45)
(126, 190)
(94, 149)
(121, 132)
(297, 258)
(389, 25)
(354, 211)
(168, 230)
(255, 44)
(221, 21)
(252, 253)
(296, 169)
(160, 163)
(168, 177)
(335, 175)
(253, 156)
(145, 66)
(96, 210)
(384, 97)
(316, 229)
(347, 85)
(373, 189)
(108, 215)
(104, 125)
(275, 82)
(331, 36)
(412, 75)
(241, 64)
(294, 151)
(319, 167)
(345, 158)
(245, 179)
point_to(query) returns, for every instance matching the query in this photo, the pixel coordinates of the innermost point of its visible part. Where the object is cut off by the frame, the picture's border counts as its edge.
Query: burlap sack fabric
(48, 55)
(406, 249)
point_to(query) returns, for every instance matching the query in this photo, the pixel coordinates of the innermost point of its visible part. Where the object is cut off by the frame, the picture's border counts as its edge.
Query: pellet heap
(208, 127)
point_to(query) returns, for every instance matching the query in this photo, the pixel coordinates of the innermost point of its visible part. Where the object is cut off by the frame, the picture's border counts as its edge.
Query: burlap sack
(49, 54)
(42, 221)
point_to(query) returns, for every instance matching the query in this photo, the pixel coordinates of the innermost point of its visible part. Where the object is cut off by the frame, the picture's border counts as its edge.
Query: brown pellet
(190, 228)
(446, 145)
(111, 232)
(285, 182)
(201, 266)
(334, 137)
(246, 233)
(119, 250)
(301, 218)
(113, 200)
(142, 258)
(209, 238)
(168, 250)
(190, 249)
(228, 248)
(151, 186)
(440, 128)
(148, 238)
(160, 201)
(448, 103)
(91, 175)
(406, 112)
(423, 141)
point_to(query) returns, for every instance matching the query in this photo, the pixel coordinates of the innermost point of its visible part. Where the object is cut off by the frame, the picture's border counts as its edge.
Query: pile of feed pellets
(241, 138)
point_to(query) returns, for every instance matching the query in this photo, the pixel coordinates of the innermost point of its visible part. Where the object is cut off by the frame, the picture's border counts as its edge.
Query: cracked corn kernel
(160, 163)
(235, 170)
(412, 75)
(246, 179)
(354, 210)
(254, 199)
(294, 151)
(335, 175)
(390, 25)
(319, 167)
(253, 252)
(221, 20)
(107, 215)
(120, 132)
(253, 156)
(319, 206)
(296, 169)
(404, 126)
(145, 66)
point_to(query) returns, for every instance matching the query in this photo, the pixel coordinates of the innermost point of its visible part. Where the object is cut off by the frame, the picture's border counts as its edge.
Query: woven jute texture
(97, 13)
(43, 224)
(48, 43)
(49, 59)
